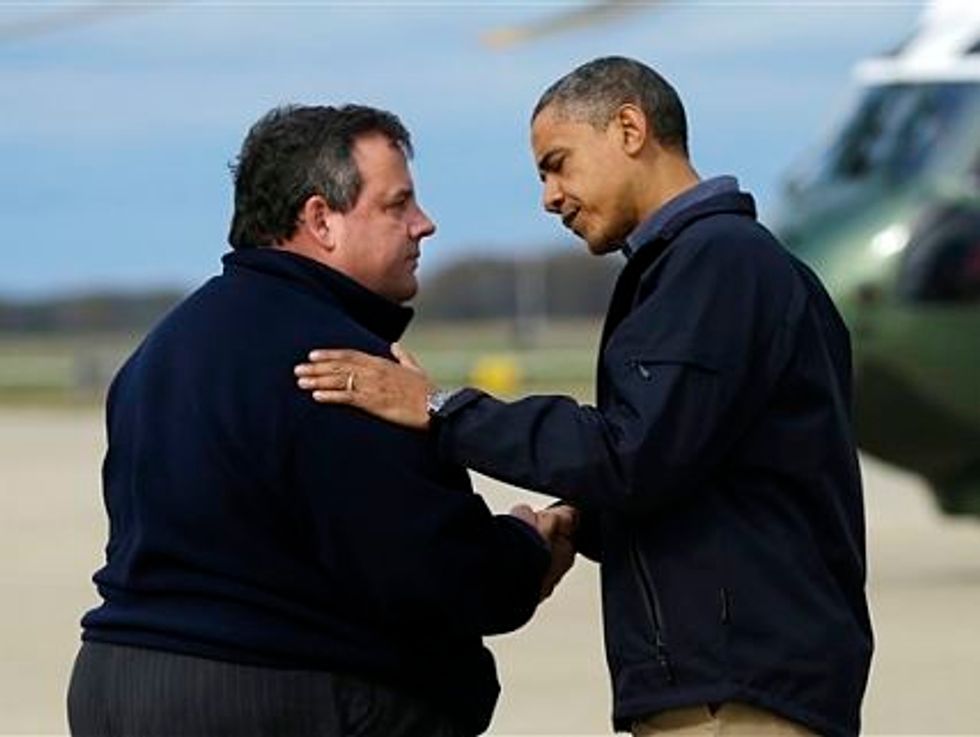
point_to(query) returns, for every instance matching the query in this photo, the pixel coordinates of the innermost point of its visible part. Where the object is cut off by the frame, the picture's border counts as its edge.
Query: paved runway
(924, 588)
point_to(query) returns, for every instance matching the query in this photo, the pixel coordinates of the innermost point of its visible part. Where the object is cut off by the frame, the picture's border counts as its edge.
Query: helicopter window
(942, 261)
(895, 128)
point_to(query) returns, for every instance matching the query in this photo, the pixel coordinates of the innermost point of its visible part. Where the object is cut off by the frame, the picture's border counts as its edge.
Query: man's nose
(551, 197)
(423, 226)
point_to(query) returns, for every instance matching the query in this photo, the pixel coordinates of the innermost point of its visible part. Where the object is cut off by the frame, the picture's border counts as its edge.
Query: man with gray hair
(276, 567)
(716, 474)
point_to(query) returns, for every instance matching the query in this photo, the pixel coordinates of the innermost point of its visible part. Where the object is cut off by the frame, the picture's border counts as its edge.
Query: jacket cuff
(440, 420)
(459, 399)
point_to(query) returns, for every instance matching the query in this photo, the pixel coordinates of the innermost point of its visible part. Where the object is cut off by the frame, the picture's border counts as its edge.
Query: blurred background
(855, 125)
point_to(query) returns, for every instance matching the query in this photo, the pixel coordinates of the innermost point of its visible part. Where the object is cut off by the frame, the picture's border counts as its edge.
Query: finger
(334, 396)
(566, 520)
(328, 354)
(547, 524)
(329, 381)
(525, 513)
(343, 355)
(323, 368)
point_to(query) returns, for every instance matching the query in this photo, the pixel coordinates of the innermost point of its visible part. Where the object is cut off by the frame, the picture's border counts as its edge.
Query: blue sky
(115, 135)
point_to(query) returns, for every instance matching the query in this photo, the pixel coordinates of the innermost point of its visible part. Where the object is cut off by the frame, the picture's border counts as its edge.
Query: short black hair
(594, 92)
(294, 152)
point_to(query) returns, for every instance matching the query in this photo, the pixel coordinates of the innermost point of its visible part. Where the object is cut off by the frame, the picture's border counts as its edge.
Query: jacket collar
(649, 252)
(700, 192)
(380, 316)
(726, 202)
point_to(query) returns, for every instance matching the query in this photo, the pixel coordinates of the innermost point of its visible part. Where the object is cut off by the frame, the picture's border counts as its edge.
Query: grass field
(76, 369)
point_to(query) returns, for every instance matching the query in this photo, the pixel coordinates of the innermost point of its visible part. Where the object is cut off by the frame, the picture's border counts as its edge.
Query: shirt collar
(650, 228)
(380, 316)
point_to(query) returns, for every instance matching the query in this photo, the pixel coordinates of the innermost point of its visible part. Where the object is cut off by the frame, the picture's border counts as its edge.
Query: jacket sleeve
(686, 372)
(403, 537)
(588, 536)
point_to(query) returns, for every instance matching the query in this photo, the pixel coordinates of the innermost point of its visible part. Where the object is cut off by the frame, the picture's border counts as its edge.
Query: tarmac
(924, 588)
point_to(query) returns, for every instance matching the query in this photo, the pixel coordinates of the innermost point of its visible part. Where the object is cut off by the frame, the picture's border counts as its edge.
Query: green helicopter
(888, 213)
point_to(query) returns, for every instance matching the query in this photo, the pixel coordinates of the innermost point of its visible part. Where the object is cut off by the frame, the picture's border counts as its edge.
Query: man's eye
(550, 166)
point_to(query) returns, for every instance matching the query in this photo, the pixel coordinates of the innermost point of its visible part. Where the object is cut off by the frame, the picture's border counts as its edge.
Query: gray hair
(294, 152)
(594, 92)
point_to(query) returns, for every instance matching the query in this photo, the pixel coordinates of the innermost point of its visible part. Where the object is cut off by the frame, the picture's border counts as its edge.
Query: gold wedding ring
(350, 381)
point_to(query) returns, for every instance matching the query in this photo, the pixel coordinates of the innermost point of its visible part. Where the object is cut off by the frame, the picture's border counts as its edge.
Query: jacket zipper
(654, 613)
(644, 372)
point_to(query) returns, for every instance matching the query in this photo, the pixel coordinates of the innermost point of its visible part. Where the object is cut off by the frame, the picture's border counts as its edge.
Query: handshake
(556, 525)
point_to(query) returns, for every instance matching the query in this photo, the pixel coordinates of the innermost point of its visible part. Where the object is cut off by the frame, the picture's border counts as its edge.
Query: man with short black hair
(276, 567)
(717, 474)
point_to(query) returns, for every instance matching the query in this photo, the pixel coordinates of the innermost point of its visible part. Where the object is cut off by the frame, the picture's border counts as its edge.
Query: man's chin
(400, 293)
(601, 247)
(408, 292)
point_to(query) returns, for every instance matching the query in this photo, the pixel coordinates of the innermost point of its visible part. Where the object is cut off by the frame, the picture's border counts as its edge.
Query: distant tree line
(561, 285)
(110, 312)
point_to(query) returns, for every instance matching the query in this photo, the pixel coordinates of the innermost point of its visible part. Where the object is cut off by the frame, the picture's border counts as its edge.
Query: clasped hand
(557, 526)
(397, 392)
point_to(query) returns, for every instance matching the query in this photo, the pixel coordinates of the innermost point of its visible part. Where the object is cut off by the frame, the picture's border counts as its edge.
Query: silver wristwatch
(436, 398)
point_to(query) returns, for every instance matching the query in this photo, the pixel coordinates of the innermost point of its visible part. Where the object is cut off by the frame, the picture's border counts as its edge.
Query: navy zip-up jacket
(250, 524)
(717, 474)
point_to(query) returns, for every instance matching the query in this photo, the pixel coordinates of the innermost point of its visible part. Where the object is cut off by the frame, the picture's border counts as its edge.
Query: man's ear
(319, 221)
(632, 127)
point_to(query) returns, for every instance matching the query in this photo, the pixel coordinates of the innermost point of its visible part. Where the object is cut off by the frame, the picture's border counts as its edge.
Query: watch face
(436, 400)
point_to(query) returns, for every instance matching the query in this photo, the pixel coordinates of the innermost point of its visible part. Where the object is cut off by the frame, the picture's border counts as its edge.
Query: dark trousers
(118, 691)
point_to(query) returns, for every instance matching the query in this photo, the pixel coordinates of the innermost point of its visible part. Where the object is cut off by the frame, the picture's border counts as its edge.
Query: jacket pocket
(646, 368)
(651, 602)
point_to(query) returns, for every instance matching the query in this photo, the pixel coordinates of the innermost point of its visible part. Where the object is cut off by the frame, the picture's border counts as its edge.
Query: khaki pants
(728, 719)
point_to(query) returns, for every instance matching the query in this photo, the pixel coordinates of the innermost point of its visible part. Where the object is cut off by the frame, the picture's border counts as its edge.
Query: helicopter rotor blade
(593, 14)
(67, 18)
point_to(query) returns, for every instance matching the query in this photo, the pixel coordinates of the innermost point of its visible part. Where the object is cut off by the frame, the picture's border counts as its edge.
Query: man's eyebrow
(547, 161)
(400, 193)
